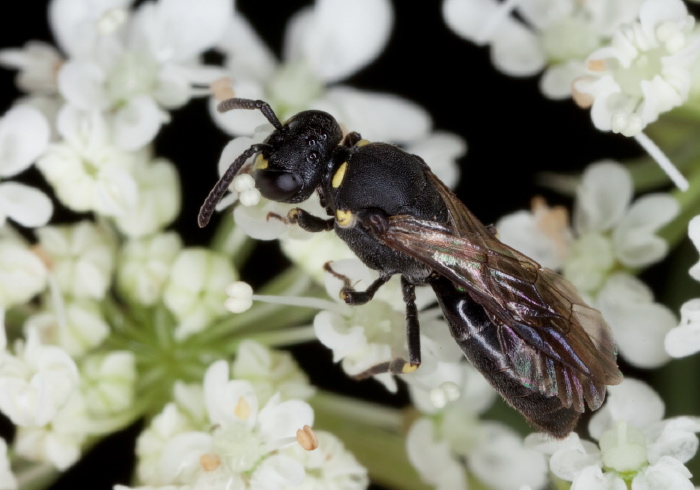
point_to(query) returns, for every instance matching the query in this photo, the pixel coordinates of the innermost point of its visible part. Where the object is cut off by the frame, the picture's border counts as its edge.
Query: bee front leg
(349, 294)
(308, 221)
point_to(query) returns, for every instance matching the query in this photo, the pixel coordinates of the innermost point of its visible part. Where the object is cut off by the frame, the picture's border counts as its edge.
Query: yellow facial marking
(339, 174)
(362, 143)
(345, 219)
(260, 162)
(409, 368)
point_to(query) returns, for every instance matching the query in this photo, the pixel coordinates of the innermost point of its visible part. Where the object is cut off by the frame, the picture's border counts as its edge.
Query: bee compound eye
(278, 186)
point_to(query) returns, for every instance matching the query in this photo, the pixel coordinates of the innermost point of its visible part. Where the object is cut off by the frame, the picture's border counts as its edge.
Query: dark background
(512, 132)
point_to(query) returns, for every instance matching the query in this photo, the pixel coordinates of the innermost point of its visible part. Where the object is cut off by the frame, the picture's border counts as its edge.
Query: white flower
(610, 233)
(144, 267)
(36, 382)
(554, 35)
(60, 442)
(684, 340)
(640, 324)
(81, 258)
(109, 383)
(158, 201)
(24, 136)
(270, 372)
(494, 453)
(171, 421)
(634, 442)
(320, 48)
(23, 275)
(136, 69)
(87, 172)
(76, 325)
(196, 289)
(330, 466)
(37, 64)
(240, 447)
(644, 72)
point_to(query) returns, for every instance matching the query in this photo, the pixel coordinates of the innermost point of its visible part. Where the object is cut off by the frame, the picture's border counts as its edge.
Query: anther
(307, 439)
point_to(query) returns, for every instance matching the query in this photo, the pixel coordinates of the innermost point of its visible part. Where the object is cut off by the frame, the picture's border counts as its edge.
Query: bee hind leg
(400, 365)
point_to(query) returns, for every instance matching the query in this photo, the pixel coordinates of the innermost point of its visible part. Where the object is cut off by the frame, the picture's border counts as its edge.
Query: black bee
(523, 326)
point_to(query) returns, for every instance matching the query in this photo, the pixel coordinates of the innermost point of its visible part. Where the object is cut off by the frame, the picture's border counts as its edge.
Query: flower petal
(137, 123)
(27, 206)
(684, 340)
(379, 116)
(694, 234)
(172, 30)
(632, 401)
(247, 55)
(24, 135)
(468, 17)
(338, 38)
(639, 324)
(603, 197)
(516, 50)
(636, 244)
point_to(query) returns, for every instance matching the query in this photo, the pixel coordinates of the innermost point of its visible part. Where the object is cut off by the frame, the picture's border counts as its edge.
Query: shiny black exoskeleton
(523, 326)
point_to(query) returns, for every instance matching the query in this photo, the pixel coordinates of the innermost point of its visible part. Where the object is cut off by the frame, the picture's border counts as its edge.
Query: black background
(512, 132)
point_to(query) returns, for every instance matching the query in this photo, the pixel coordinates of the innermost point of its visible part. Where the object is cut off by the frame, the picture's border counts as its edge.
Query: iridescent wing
(555, 344)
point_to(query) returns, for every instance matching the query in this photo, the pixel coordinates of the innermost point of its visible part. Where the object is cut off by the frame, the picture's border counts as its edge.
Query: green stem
(33, 476)
(231, 241)
(689, 202)
(266, 316)
(273, 339)
(373, 434)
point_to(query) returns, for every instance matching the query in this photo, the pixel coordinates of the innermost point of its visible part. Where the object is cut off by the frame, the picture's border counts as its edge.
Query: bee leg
(400, 365)
(348, 293)
(308, 221)
(351, 139)
(412, 326)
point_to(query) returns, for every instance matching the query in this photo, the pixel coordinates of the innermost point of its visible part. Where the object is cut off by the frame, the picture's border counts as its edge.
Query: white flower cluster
(631, 60)
(93, 108)
(249, 432)
(636, 446)
(610, 238)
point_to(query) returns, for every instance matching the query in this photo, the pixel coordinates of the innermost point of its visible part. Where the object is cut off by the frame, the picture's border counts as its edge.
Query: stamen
(582, 99)
(660, 157)
(307, 438)
(553, 222)
(242, 410)
(43, 255)
(209, 462)
(595, 65)
(222, 89)
(504, 10)
(242, 297)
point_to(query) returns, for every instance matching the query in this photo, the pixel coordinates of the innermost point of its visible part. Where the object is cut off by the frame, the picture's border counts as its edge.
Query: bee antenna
(261, 105)
(215, 195)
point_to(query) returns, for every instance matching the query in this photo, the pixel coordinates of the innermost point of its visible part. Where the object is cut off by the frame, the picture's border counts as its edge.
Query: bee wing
(555, 344)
